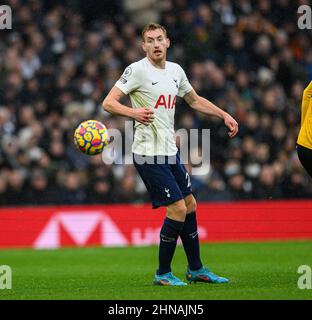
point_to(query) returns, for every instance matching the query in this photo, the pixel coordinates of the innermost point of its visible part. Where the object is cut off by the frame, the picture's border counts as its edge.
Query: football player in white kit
(153, 85)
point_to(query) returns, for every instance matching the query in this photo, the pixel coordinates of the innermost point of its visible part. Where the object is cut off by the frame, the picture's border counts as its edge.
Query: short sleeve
(129, 80)
(184, 85)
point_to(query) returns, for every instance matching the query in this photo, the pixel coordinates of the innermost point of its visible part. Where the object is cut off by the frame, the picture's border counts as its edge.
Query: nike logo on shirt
(153, 83)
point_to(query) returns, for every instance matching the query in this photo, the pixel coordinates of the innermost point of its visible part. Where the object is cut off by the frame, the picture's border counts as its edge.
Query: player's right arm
(112, 105)
(306, 100)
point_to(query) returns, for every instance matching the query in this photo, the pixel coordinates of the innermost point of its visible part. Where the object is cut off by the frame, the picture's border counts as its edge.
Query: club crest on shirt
(167, 192)
(127, 72)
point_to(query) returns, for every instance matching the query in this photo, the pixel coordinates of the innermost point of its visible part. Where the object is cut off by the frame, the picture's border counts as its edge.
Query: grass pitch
(256, 271)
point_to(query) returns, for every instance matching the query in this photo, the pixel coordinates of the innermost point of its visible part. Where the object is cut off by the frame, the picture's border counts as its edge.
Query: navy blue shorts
(165, 182)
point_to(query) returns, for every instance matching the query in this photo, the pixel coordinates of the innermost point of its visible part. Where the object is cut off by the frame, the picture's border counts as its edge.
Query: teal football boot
(168, 279)
(204, 275)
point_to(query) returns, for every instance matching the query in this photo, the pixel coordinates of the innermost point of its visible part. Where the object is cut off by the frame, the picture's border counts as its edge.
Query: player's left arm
(205, 106)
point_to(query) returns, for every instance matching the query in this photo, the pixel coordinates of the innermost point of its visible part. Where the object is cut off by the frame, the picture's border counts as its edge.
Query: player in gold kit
(304, 142)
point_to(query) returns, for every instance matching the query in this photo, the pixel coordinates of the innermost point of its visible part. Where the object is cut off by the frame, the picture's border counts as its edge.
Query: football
(91, 137)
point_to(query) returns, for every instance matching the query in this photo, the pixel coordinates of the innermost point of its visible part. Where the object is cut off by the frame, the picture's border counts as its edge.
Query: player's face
(155, 44)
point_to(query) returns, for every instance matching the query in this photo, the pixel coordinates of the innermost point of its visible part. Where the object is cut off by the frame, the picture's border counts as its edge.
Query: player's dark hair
(153, 26)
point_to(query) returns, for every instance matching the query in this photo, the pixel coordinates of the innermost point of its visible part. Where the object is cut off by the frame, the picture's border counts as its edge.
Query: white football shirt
(157, 89)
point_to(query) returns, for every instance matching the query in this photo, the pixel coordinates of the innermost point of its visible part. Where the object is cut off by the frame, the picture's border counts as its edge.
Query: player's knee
(191, 204)
(177, 211)
(192, 207)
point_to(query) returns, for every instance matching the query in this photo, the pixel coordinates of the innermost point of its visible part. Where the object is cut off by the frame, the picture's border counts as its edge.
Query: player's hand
(231, 123)
(144, 115)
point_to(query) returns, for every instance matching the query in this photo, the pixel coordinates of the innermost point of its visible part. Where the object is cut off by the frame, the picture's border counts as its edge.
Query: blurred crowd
(61, 58)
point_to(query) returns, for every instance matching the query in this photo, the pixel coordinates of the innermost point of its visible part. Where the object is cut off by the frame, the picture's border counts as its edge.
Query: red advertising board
(124, 225)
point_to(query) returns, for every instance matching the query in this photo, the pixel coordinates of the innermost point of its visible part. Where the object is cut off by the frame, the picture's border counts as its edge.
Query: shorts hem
(167, 203)
(184, 194)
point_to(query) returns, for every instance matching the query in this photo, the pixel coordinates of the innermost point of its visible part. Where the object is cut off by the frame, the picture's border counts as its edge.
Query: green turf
(256, 271)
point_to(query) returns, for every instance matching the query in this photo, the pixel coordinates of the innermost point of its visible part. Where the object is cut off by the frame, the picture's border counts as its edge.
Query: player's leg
(164, 191)
(169, 233)
(189, 233)
(305, 157)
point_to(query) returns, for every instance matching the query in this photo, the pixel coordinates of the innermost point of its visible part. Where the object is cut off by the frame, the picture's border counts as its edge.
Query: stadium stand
(249, 58)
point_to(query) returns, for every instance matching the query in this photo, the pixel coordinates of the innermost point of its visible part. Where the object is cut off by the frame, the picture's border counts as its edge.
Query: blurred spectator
(239, 187)
(3, 190)
(216, 190)
(16, 188)
(266, 186)
(126, 190)
(72, 190)
(39, 192)
(100, 191)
